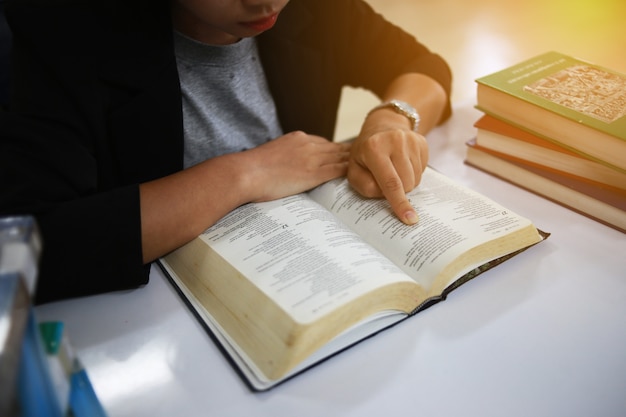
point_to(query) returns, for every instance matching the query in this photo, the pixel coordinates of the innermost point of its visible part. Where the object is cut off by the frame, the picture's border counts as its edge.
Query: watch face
(404, 109)
(408, 111)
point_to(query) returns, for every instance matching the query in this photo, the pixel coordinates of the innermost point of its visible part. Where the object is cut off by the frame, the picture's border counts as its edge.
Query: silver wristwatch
(402, 108)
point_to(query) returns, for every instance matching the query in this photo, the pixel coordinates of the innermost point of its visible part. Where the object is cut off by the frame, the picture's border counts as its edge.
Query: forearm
(425, 94)
(177, 208)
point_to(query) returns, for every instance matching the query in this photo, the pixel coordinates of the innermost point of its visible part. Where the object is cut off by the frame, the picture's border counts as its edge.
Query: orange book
(502, 137)
(600, 202)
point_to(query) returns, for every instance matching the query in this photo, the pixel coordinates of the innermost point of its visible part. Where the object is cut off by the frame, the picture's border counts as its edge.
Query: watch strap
(403, 108)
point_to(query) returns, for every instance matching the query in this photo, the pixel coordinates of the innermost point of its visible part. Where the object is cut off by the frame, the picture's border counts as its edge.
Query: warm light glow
(487, 51)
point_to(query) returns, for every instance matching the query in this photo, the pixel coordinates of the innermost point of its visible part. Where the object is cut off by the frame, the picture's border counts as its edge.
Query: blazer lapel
(293, 70)
(145, 110)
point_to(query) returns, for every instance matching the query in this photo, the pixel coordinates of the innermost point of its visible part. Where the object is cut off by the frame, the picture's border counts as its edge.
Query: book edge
(254, 384)
(542, 195)
(470, 275)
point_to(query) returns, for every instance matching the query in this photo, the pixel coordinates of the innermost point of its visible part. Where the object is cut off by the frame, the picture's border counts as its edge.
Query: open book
(284, 284)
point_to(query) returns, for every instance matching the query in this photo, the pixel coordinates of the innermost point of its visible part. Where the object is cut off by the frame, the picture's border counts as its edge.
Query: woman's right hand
(176, 208)
(292, 163)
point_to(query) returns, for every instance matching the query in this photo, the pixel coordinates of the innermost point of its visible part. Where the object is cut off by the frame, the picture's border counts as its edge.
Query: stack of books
(556, 126)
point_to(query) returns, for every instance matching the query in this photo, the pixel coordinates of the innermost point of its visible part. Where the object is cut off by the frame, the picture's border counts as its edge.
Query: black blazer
(96, 110)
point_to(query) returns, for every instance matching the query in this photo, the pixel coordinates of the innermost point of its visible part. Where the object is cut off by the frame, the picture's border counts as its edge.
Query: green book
(575, 104)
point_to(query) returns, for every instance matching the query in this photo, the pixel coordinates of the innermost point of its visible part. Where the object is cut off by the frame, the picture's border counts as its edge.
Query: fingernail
(411, 217)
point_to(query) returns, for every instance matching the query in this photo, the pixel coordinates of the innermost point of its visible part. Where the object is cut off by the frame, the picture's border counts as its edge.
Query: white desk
(542, 335)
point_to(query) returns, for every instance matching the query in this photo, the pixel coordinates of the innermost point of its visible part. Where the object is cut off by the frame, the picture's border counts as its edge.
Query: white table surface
(542, 335)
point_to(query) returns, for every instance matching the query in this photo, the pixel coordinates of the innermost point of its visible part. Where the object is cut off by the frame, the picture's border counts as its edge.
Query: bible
(285, 284)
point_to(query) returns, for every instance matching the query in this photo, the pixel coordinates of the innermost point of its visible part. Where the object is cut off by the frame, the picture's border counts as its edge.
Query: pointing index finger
(393, 190)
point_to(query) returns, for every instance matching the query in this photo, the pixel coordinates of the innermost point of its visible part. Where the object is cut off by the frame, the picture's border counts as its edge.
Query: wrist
(399, 108)
(245, 174)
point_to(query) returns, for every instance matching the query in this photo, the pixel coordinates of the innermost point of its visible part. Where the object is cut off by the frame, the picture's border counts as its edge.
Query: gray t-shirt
(227, 106)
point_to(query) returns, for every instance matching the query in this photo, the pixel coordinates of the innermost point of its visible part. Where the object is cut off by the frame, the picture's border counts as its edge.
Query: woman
(114, 103)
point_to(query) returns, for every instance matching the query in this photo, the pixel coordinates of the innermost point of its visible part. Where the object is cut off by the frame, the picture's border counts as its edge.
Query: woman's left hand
(389, 163)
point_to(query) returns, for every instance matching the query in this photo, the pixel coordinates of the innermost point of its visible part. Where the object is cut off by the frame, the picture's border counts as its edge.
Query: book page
(300, 255)
(452, 220)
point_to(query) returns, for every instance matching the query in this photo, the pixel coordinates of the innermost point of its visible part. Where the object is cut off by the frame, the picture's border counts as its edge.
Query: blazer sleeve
(91, 239)
(320, 46)
(74, 147)
(371, 51)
